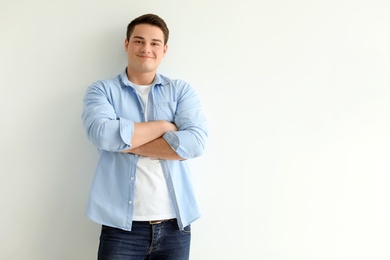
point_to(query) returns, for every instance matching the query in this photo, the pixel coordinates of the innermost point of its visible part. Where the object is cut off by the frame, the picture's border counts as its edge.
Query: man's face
(145, 48)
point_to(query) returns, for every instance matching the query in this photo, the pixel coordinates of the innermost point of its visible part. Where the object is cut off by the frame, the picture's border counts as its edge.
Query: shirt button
(130, 202)
(132, 178)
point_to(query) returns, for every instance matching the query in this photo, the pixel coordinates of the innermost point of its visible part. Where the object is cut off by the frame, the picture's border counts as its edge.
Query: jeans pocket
(108, 229)
(187, 230)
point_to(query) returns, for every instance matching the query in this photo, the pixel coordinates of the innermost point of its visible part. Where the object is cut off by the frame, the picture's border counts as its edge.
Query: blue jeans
(164, 241)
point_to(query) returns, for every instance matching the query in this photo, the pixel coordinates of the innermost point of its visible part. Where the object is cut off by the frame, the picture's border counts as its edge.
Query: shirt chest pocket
(165, 111)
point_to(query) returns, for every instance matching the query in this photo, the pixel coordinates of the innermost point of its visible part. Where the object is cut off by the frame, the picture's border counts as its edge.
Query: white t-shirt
(151, 196)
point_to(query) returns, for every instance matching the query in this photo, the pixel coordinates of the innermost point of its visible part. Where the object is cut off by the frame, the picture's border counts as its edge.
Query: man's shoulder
(108, 83)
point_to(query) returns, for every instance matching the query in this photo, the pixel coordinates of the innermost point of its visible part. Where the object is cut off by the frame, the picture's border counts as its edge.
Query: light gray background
(297, 97)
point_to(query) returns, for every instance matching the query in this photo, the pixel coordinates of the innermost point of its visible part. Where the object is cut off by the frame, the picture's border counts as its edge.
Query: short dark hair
(151, 19)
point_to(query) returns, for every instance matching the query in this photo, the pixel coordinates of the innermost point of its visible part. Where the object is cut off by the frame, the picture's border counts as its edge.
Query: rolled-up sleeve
(191, 138)
(104, 128)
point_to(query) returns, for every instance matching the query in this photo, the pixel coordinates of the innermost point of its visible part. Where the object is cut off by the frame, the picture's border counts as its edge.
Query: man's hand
(171, 126)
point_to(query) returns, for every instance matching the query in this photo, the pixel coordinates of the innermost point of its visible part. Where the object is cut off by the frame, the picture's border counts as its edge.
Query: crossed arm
(147, 140)
(113, 133)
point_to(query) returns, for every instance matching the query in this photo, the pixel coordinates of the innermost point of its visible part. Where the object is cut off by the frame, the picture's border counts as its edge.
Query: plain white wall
(297, 96)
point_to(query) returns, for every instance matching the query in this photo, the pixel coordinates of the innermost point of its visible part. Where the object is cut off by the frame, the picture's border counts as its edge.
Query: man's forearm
(148, 131)
(157, 148)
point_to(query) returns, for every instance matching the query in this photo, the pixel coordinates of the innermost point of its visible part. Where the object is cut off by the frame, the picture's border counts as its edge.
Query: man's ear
(165, 49)
(126, 44)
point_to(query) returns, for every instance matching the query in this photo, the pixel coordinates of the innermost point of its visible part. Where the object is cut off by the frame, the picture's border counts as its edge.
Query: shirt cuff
(126, 130)
(172, 139)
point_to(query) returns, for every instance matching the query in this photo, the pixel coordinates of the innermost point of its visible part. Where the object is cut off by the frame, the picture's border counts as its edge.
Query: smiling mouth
(143, 56)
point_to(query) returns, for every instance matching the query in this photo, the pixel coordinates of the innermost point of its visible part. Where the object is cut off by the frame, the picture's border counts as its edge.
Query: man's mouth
(144, 56)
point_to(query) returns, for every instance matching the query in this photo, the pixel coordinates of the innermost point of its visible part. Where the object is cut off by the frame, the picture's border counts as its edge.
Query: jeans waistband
(156, 222)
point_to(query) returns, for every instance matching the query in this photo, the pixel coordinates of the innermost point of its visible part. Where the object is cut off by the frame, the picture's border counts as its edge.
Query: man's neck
(138, 78)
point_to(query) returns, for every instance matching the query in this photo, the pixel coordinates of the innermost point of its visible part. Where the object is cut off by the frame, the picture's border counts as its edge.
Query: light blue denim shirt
(110, 109)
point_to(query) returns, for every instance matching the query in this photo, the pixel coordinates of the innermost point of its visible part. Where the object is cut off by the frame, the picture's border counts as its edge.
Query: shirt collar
(158, 80)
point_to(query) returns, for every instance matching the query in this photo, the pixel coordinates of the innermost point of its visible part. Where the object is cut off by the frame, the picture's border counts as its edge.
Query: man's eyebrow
(142, 38)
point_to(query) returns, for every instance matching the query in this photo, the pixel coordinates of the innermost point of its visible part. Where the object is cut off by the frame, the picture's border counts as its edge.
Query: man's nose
(145, 48)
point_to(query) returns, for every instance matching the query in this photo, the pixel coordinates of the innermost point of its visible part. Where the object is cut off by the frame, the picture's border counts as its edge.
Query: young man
(145, 127)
